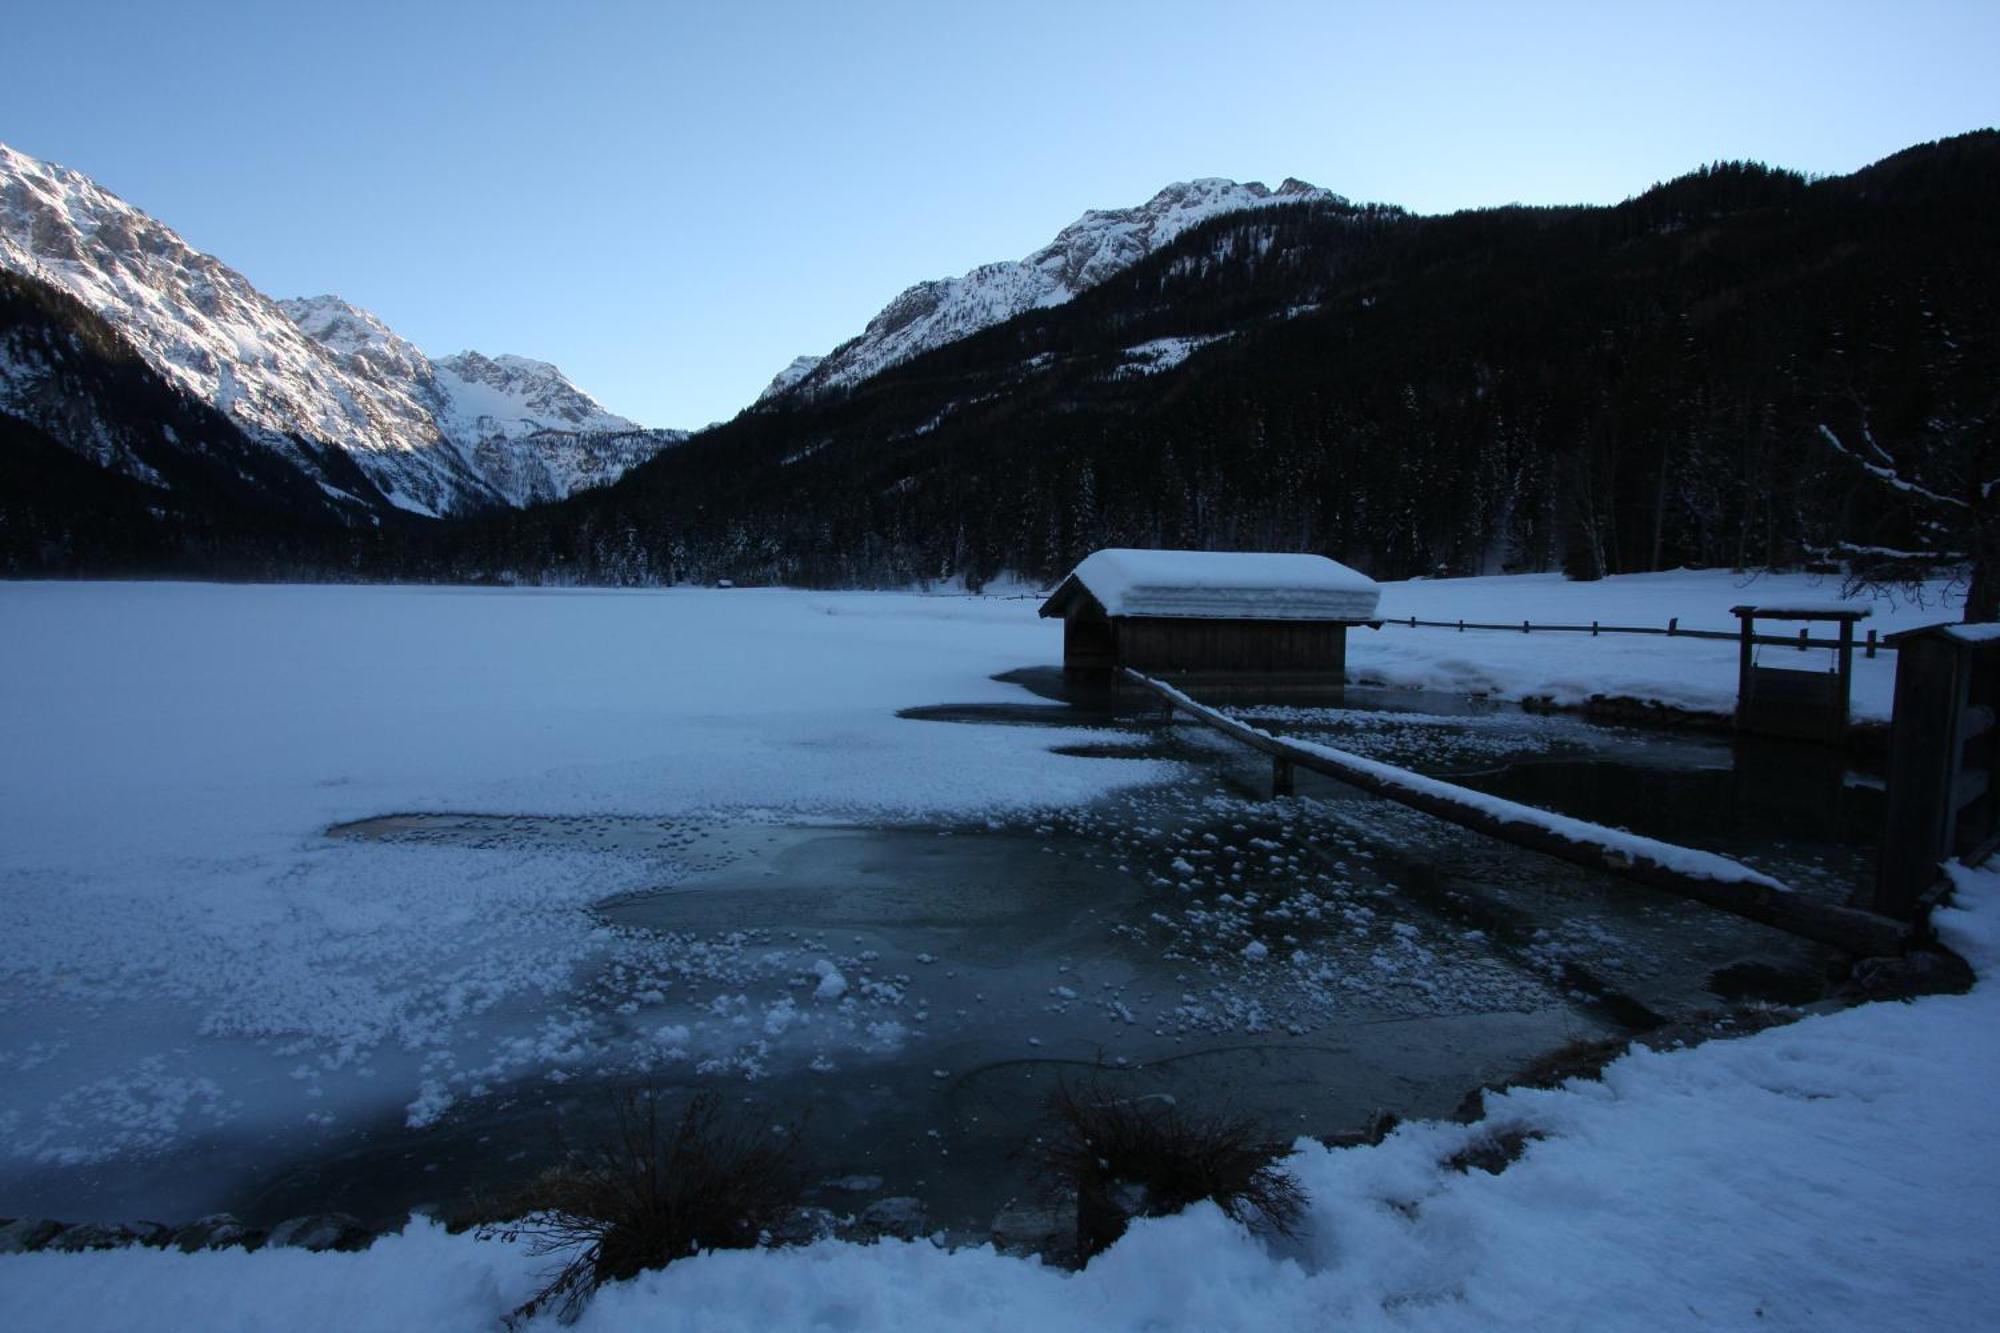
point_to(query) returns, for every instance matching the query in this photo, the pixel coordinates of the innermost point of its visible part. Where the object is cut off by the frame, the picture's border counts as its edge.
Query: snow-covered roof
(1220, 585)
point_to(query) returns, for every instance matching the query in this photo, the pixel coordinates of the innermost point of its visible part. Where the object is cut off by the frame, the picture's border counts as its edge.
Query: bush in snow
(1126, 1157)
(651, 1194)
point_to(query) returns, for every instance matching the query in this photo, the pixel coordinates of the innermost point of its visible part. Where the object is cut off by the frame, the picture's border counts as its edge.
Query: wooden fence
(1870, 645)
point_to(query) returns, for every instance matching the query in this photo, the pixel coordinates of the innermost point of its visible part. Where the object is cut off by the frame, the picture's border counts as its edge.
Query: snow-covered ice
(1834, 1174)
(189, 955)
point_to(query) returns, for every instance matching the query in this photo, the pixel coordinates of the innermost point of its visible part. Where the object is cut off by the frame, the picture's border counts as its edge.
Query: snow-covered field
(188, 955)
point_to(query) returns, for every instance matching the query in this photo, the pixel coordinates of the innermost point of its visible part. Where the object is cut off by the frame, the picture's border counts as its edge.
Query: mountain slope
(417, 430)
(201, 325)
(524, 428)
(108, 468)
(1598, 389)
(1083, 254)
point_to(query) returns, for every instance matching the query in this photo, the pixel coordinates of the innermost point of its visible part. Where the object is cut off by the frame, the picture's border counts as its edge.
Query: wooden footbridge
(1684, 871)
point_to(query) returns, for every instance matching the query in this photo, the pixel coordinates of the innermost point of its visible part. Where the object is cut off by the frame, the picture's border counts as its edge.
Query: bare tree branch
(1887, 475)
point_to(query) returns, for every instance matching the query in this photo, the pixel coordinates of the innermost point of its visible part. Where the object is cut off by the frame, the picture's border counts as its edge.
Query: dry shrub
(1126, 1157)
(651, 1194)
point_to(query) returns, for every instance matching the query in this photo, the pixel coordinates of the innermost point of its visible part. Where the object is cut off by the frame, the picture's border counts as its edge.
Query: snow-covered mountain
(527, 431)
(1083, 254)
(442, 437)
(801, 367)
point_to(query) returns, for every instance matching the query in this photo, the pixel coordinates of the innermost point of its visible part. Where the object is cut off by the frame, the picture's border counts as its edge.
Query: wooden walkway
(1686, 872)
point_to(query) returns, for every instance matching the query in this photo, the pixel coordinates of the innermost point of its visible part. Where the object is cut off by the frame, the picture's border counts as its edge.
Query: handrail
(1870, 645)
(1702, 876)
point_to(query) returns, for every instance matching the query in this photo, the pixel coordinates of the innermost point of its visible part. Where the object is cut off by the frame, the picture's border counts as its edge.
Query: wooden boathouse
(1224, 613)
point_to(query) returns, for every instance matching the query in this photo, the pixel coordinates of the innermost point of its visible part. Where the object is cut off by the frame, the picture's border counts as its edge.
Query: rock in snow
(25, 1235)
(319, 1232)
(1083, 254)
(902, 1217)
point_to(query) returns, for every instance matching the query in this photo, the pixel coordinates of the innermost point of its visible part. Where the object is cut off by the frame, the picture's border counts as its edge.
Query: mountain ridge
(932, 313)
(360, 388)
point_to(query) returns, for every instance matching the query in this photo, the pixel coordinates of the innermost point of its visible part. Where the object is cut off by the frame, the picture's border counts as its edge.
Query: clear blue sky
(672, 200)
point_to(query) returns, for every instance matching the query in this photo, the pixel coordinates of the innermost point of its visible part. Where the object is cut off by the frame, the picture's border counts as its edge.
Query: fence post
(1673, 626)
(1871, 643)
(1593, 629)
(1524, 627)
(1925, 752)
(1461, 625)
(1802, 639)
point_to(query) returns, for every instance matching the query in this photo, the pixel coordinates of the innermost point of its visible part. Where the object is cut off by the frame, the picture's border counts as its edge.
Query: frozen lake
(263, 959)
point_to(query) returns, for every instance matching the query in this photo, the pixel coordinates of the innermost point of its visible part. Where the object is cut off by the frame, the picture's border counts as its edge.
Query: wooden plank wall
(1232, 645)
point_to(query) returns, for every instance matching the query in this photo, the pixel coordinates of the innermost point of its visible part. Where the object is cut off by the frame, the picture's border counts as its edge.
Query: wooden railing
(1870, 645)
(1702, 876)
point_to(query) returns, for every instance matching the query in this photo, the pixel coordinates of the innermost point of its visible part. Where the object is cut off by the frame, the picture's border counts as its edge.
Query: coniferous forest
(1741, 367)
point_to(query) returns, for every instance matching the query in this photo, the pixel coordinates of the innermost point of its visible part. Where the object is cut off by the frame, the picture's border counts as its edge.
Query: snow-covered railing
(1685, 871)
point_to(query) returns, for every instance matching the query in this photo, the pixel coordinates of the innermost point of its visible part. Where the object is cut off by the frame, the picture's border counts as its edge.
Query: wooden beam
(1925, 747)
(1719, 882)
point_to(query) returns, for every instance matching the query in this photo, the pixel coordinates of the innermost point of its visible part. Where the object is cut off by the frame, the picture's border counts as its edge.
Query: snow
(831, 985)
(1163, 354)
(800, 367)
(175, 751)
(1572, 668)
(1231, 585)
(1883, 472)
(512, 396)
(1981, 633)
(1835, 1173)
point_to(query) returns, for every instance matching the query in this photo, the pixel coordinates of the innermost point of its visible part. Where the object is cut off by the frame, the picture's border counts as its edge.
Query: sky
(672, 200)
